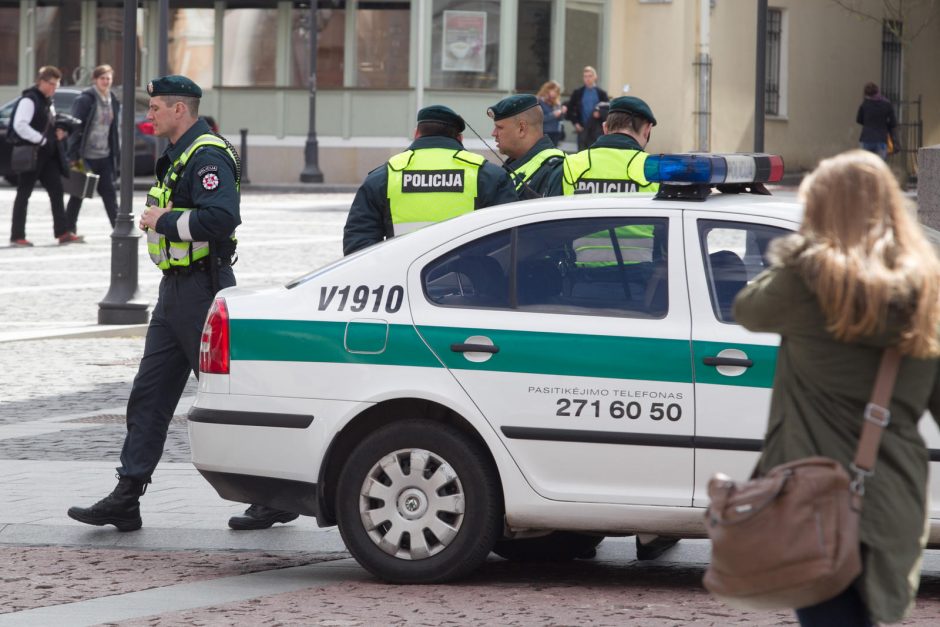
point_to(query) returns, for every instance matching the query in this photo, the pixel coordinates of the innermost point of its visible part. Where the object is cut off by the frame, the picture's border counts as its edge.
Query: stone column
(928, 186)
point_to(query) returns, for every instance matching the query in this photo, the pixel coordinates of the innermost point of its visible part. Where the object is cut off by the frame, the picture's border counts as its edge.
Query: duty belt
(200, 265)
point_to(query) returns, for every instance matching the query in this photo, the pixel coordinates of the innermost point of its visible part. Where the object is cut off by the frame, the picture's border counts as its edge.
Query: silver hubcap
(412, 504)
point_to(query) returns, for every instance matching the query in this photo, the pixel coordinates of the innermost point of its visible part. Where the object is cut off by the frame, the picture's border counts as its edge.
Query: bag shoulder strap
(877, 417)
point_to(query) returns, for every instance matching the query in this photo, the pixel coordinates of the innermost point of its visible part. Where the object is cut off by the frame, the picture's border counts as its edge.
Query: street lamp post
(311, 172)
(122, 304)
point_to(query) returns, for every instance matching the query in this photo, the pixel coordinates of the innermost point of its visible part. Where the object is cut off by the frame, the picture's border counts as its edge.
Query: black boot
(121, 508)
(260, 517)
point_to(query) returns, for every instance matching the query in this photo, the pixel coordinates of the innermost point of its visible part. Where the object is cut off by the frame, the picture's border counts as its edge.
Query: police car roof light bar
(691, 176)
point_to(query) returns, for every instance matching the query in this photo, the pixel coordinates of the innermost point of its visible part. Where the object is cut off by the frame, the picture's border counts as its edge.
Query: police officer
(614, 163)
(433, 180)
(517, 128)
(191, 215)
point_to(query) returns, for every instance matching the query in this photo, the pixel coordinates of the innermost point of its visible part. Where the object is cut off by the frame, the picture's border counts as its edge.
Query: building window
(9, 42)
(891, 32)
(772, 82)
(109, 37)
(582, 27)
(465, 44)
(331, 32)
(191, 44)
(58, 38)
(382, 39)
(533, 44)
(249, 65)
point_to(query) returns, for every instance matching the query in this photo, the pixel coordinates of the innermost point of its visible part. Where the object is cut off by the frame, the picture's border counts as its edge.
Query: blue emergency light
(691, 176)
(714, 169)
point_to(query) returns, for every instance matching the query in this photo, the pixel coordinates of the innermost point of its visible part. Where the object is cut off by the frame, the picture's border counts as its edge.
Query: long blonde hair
(546, 89)
(862, 253)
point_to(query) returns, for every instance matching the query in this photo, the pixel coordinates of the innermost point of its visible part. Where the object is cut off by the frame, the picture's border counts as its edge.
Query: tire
(558, 546)
(457, 506)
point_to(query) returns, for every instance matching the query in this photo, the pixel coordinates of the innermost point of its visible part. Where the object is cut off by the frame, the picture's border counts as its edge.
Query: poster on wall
(464, 41)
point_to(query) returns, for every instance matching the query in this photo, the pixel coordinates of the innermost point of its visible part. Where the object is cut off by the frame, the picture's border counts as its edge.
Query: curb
(95, 331)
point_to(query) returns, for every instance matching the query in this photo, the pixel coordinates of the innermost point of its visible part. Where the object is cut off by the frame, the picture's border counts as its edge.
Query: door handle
(474, 348)
(727, 361)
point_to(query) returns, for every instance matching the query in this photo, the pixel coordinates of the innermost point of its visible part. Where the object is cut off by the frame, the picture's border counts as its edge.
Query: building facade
(378, 61)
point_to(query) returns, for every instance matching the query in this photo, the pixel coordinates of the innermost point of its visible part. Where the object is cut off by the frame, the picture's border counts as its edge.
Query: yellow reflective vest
(430, 185)
(605, 170)
(522, 175)
(165, 253)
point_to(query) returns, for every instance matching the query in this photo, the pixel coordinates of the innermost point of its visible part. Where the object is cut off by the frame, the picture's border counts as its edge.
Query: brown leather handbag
(790, 538)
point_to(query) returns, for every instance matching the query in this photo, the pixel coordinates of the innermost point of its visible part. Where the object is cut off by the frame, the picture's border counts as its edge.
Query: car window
(734, 253)
(581, 266)
(474, 275)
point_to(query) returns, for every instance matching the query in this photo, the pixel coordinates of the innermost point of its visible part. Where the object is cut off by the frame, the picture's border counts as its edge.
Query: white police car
(566, 368)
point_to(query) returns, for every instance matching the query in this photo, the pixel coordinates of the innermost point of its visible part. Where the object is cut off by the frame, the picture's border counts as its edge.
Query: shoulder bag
(790, 539)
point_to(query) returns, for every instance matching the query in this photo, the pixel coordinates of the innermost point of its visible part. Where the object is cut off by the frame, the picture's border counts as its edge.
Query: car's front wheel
(418, 502)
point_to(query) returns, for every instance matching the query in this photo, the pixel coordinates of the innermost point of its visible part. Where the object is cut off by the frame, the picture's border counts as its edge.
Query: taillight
(145, 127)
(214, 347)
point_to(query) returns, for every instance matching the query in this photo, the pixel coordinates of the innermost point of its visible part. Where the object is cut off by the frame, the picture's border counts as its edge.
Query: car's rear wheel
(418, 502)
(558, 546)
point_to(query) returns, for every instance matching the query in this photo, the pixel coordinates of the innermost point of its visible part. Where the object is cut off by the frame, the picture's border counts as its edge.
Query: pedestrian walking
(553, 112)
(191, 215)
(614, 163)
(858, 277)
(582, 102)
(876, 115)
(517, 128)
(435, 179)
(95, 144)
(34, 125)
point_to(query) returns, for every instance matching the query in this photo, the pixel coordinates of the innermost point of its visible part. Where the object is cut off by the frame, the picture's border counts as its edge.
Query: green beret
(173, 85)
(513, 105)
(442, 114)
(634, 106)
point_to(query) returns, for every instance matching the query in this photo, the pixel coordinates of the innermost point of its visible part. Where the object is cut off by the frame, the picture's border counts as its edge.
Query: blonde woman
(859, 276)
(553, 112)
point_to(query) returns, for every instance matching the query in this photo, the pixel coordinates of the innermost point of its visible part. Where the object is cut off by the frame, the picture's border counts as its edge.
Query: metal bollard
(243, 153)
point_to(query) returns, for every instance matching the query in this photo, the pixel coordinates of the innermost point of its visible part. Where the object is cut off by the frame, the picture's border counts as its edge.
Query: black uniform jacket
(370, 219)
(208, 183)
(538, 185)
(613, 140)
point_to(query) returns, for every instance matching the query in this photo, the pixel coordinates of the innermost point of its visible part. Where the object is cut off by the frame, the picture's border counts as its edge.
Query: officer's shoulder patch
(210, 180)
(207, 168)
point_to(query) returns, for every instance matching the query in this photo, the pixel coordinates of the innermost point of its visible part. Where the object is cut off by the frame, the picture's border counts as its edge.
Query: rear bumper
(299, 497)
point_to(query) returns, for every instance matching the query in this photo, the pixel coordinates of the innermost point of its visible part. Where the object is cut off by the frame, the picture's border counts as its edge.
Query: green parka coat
(820, 391)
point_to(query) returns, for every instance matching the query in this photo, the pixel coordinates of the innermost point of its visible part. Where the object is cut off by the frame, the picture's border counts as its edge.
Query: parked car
(145, 144)
(562, 369)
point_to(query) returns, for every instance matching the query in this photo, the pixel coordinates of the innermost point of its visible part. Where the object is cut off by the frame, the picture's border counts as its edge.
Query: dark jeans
(48, 173)
(879, 148)
(844, 610)
(171, 352)
(104, 168)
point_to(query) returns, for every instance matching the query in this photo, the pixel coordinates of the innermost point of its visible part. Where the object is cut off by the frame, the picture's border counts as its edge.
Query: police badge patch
(210, 182)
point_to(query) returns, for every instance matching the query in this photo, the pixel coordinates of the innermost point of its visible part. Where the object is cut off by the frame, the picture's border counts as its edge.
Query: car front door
(571, 335)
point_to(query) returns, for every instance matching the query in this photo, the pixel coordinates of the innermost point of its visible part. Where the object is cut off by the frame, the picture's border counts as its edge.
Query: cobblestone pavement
(64, 383)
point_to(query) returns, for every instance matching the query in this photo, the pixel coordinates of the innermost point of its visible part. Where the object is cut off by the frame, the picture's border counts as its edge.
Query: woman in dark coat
(859, 276)
(876, 115)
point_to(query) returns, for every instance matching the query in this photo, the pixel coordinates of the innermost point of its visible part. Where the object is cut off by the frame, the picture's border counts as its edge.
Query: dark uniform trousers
(171, 352)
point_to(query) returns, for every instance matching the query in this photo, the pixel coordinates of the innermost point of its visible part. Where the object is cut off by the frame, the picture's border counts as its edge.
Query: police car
(532, 376)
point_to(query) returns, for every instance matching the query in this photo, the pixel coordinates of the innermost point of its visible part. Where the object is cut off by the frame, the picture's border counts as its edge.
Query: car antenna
(502, 161)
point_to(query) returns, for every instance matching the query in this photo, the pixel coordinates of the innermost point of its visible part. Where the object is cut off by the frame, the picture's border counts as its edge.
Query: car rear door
(734, 367)
(571, 335)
